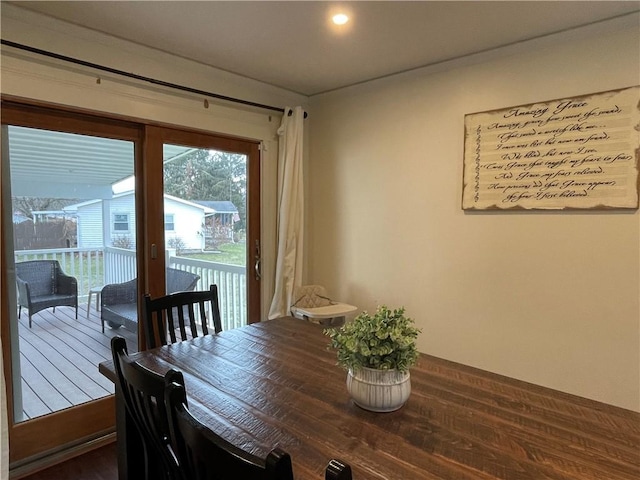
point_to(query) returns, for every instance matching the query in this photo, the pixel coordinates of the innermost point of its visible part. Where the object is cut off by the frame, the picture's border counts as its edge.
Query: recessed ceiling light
(340, 19)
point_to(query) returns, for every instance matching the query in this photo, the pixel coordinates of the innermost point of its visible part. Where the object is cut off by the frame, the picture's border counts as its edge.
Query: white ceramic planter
(379, 390)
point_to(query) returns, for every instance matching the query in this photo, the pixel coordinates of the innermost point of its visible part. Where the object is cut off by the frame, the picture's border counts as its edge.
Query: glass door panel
(73, 233)
(205, 222)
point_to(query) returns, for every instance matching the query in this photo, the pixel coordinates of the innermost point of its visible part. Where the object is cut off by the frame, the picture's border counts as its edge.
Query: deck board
(59, 391)
(60, 356)
(32, 406)
(67, 365)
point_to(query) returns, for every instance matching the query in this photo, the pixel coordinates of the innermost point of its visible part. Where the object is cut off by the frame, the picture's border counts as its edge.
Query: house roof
(189, 203)
(199, 206)
(74, 207)
(220, 206)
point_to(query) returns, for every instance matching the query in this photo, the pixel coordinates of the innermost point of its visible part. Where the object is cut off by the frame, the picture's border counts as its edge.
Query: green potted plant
(377, 351)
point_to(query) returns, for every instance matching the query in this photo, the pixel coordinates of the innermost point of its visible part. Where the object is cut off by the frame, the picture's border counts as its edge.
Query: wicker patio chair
(43, 284)
(119, 301)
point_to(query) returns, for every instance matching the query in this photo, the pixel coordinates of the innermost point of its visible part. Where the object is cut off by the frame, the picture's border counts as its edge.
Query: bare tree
(27, 205)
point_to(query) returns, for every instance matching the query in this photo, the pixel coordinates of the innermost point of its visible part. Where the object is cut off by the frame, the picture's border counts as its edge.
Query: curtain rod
(141, 77)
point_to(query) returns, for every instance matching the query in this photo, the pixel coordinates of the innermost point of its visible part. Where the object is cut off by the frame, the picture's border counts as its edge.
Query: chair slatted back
(143, 392)
(204, 455)
(166, 317)
(337, 470)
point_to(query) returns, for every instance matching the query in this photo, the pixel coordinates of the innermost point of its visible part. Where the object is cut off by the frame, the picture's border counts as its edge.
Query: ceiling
(293, 46)
(52, 164)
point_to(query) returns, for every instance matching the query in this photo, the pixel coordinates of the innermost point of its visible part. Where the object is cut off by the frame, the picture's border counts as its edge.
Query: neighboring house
(224, 211)
(218, 226)
(89, 223)
(183, 222)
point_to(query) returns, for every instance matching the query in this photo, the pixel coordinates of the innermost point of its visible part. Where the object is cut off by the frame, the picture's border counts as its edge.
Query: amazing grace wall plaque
(581, 152)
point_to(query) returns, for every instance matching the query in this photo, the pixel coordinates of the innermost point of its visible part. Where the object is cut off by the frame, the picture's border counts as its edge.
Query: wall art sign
(580, 152)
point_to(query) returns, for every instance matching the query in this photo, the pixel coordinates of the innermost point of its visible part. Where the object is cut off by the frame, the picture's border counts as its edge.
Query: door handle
(257, 268)
(258, 261)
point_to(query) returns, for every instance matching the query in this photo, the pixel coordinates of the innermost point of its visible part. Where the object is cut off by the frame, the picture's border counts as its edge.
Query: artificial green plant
(385, 340)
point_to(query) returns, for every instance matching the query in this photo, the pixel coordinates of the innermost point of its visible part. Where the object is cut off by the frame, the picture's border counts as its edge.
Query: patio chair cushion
(122, 314)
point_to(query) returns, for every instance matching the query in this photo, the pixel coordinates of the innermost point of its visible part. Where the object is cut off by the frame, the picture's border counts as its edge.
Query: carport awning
(49, 164)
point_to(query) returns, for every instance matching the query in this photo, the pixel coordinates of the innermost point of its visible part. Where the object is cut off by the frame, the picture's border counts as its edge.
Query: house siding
(188, 222)
(123, 205)
(90, 226)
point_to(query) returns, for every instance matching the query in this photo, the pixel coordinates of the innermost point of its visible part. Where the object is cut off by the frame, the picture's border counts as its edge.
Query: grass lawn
(230, 253)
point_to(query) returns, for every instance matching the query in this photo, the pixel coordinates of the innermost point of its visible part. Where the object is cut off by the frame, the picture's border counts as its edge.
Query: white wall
(548, 297)
(36, 77)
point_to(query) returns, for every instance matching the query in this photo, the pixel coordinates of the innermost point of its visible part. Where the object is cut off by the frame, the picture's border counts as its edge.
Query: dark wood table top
(275, 383)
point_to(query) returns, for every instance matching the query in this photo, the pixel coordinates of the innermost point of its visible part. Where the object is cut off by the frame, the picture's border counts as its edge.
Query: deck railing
(232, 286)
(85, 264)
(119, 265)
(94, 267)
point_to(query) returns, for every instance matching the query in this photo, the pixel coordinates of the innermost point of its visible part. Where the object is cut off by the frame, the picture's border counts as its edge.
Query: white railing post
(169, 253)
(119, 265)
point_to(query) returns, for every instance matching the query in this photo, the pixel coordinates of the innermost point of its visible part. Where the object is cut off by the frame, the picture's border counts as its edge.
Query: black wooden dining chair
(143, 392)
(337, 470)
(204, 455)
(164, 318)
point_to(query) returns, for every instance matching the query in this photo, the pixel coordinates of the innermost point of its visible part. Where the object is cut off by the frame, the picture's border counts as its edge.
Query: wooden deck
(59, 359)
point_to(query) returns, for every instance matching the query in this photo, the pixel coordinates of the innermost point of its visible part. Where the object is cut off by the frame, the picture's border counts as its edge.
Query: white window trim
(118, 231)
(173, 222)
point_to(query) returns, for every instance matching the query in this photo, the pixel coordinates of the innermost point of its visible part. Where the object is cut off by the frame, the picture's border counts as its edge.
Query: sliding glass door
(72, 235)
(69, 229)
(210, 216)
(94, 211)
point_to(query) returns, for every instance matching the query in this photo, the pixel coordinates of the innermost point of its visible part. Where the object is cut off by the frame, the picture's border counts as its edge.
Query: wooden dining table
(276, 383)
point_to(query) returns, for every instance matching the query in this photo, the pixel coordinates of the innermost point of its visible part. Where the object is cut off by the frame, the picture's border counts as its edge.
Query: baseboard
(42, 462)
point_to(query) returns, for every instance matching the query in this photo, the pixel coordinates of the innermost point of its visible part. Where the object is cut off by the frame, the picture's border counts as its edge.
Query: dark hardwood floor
(99, 464)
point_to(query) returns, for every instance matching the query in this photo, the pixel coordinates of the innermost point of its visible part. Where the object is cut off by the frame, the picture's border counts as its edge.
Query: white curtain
(290, 211)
